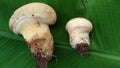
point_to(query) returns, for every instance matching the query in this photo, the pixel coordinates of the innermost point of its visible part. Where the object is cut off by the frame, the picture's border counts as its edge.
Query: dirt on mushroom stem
(82, 49)
(39, 41)
(41, 55)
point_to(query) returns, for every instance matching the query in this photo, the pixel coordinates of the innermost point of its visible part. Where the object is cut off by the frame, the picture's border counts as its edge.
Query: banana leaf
(105, 37)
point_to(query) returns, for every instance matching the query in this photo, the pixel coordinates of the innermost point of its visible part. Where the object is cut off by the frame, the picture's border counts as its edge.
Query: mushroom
(79, 29)
(32, 22)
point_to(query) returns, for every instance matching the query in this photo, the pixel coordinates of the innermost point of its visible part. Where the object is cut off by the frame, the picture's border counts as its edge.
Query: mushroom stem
(39, 40)
(80, 41)
(31, 30)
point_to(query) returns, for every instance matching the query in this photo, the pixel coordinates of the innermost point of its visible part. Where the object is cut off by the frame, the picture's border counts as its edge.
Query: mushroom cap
(81, 24)
(38, 11)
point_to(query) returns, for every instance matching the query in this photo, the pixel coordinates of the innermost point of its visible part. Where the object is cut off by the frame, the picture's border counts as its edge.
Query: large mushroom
(79, 29)
(32, 22)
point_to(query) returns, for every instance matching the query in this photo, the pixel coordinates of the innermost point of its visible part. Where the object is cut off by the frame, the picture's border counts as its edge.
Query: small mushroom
(32, 22)
(79, 29)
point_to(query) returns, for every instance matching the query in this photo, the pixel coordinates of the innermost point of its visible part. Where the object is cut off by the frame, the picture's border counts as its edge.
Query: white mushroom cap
(36, 11)
(82, 24)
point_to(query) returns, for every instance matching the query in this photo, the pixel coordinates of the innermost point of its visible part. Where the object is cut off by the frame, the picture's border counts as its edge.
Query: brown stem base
(82, 49)
(42, 53)
(40, 61)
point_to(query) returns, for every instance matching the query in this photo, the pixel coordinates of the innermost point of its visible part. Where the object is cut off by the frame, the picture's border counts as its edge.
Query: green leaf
(105, 44)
